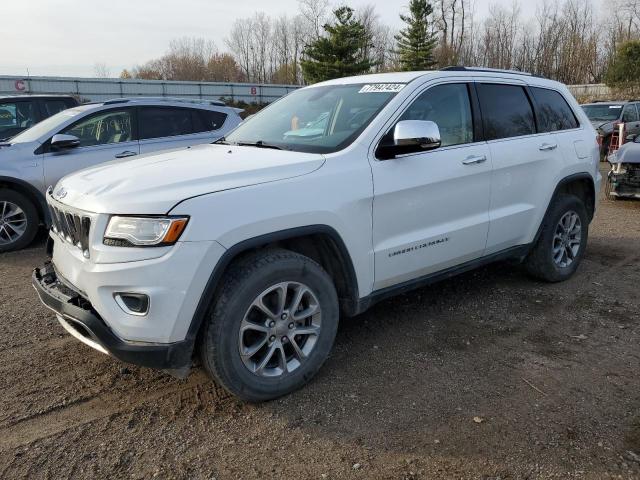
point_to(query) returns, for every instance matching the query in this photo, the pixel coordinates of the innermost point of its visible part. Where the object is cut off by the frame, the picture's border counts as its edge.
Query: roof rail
(459, 68)
(114, 101)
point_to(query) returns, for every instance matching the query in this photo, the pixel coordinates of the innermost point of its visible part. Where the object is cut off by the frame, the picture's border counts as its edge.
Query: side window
(208, 120)
(553, 110)
(8, 116)
(113, 126)
(17, 115)
(51, 107)
(158, 122)
(449, 107)
(506, 111)
(629, 113)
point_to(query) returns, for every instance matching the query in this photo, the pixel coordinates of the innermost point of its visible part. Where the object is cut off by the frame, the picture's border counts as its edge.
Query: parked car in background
(20, 112)
(247, 252)
(623, 180)
(604, 115)
(90, 134)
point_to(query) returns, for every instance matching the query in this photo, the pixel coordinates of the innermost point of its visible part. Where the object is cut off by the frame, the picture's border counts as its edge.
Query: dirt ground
(489, 375)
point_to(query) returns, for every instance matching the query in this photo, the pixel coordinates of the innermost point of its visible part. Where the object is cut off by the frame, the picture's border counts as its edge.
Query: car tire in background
(272, 325)
(18, 220)
(562, 241)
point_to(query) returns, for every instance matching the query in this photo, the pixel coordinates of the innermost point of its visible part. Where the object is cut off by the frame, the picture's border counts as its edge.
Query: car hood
(153, 184)
(628, 153)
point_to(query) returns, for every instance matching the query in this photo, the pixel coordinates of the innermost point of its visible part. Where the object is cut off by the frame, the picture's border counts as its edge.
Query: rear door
(430, 209)
(163, 128)
(524, 162)
(104, 135)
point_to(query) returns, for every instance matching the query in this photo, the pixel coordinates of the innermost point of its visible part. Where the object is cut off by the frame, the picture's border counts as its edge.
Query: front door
(104, 136)
(431, 209)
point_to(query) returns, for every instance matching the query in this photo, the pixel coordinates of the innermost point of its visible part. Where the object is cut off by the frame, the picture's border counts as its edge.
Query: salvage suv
(246, 252)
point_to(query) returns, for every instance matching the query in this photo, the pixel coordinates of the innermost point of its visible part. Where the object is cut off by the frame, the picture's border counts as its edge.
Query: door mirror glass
(411, 136)
(62, 141)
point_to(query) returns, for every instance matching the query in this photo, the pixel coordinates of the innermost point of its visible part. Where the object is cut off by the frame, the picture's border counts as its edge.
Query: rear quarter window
(208, 120)
(554, 113)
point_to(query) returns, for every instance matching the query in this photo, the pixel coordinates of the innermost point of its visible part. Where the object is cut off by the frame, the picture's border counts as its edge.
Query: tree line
(566, 40)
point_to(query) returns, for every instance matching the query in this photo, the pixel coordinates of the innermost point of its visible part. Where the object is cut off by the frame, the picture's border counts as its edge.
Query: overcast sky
(69, 37)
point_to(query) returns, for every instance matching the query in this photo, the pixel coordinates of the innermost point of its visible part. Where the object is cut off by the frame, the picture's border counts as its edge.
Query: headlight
(144, 231)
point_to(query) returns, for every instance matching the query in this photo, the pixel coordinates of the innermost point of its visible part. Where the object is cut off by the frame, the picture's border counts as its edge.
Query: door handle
(126, 153)
(474, 159)
(548, 146)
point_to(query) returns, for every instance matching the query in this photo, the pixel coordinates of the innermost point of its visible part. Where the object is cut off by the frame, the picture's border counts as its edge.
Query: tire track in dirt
(52, 422)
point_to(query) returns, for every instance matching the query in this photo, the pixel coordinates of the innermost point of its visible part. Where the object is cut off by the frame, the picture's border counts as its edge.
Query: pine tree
(415, 44)
(342, 52)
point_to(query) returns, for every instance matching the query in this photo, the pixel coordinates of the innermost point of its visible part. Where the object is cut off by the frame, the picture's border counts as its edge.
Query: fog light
(133, 303)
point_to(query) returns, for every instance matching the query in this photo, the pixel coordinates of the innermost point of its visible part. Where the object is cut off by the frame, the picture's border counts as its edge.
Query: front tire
(272, 326)
(560, 247)
(18, 220)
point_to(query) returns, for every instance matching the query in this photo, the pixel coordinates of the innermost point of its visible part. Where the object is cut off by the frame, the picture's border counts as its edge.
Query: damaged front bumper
(624, 180)
(76, 314)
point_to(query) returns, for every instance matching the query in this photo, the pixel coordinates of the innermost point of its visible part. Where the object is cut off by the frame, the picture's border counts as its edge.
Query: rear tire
(562, 241)
(18, 220)
(254, 342)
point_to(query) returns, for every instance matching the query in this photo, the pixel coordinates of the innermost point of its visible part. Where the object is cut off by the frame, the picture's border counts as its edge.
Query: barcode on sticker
(381, 88)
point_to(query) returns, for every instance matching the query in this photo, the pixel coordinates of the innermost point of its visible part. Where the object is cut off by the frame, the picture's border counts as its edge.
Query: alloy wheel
(280, 329)
(567, 239)
(13, 222)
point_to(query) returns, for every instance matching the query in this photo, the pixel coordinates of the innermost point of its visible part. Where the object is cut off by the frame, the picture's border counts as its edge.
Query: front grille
(72, 228)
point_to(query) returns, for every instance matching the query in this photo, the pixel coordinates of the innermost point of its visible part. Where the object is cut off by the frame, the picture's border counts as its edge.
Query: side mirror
(411, 136)
(62, 141)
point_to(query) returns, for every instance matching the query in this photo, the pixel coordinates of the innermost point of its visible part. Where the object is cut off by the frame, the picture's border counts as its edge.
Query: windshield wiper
(260, 144)
(221, 141)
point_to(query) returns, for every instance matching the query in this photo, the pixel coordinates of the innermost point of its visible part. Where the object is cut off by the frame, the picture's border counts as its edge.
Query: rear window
(506, 111)
(553, 110)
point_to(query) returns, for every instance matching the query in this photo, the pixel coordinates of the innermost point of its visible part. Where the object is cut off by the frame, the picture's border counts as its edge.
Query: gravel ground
(489, 375)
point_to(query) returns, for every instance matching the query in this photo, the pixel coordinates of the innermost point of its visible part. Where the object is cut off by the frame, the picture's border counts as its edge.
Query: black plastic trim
(561, 183)
(205, 299)
(519, 252)
(172, 356)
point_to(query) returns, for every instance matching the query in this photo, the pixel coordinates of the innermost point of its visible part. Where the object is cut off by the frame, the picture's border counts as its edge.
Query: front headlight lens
(144, 231)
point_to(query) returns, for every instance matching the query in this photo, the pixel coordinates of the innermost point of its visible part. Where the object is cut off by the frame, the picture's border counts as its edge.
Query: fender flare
(564, 181)
(231, 253)
(33, 193)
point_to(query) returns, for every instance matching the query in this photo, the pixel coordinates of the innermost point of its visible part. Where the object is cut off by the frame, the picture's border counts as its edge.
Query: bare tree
(101, 70)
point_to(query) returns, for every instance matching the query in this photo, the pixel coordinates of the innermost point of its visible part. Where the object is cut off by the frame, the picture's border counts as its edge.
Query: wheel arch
(581, 185)
(322, 243)
(31, 193)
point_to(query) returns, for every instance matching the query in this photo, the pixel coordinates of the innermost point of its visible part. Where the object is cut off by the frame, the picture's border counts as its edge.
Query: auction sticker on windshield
(381, 88)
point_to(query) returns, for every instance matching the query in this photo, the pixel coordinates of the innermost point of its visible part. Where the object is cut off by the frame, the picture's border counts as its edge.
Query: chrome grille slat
(71, 227)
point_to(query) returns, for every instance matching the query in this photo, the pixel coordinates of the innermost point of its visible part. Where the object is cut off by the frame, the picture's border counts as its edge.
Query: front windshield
(321, 119)
(39, 129)
(605, 112)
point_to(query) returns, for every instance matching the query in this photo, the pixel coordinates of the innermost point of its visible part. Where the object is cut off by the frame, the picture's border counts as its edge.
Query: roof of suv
(167, 101)
(406, 77)
(621, 102)
(34, 95)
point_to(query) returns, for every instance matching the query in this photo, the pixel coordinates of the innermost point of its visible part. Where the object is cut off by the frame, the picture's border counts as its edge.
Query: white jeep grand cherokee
(334, 197)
